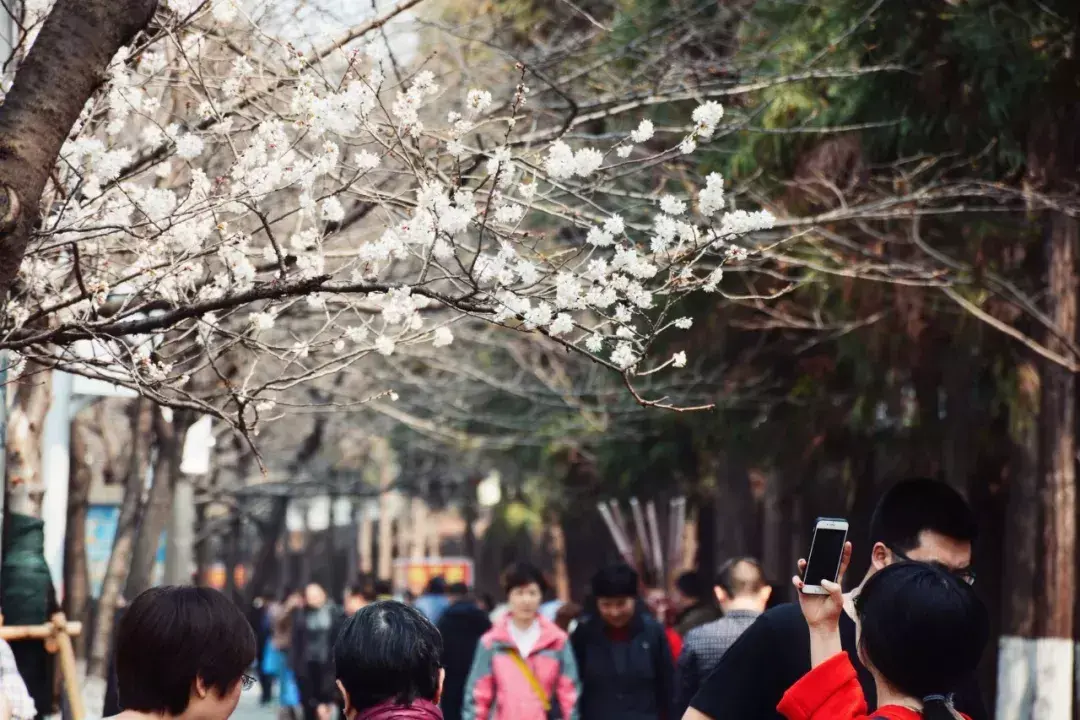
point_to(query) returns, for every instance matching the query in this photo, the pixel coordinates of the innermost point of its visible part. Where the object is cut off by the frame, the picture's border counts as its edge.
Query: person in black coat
(624, 660)
(462, 625)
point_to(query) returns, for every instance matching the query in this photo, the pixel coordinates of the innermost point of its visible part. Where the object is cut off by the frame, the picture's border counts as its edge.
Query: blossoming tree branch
(205, 193)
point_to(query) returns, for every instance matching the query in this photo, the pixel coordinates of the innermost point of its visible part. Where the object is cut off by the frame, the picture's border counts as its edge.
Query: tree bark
(154, 518)
(64, 67)
(123, 543)
(383, 458)
(558, 557)
(76, 572)
(25, 433)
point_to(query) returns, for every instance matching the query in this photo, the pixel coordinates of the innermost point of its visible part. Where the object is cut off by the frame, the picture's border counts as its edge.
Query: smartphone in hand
(826, 552)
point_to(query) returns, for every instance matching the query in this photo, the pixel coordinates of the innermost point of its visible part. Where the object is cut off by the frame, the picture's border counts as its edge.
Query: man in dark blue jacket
(624, 660)
(462, 625)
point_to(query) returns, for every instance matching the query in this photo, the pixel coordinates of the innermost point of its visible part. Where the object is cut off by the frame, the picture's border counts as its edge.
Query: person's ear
(721, 595)
(201, 691)
(346, 702)
(442, 679)
(880, 556)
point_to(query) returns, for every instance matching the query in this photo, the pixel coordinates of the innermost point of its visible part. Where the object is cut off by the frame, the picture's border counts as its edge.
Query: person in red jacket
(922, 632)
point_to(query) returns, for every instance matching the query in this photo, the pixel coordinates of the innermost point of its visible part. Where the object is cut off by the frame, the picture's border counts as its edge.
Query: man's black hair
(691, 585)
(168, 637)
(521, 574)
(388, 651)
(458, 588)
(912, 506)
(923, 629)
(436, 586)
(741, 576)
(616, 581)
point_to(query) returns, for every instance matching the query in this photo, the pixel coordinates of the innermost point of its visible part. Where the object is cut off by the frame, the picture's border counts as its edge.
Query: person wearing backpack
(524, 668)
(626, 666)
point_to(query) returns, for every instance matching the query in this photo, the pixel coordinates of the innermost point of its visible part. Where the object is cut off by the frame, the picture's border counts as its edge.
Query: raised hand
(823, 611)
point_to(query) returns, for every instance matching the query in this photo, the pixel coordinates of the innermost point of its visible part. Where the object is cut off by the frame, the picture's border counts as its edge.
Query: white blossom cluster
(348, 195)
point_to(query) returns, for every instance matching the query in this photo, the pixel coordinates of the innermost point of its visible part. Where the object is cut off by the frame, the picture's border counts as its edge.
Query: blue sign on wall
(101, 523)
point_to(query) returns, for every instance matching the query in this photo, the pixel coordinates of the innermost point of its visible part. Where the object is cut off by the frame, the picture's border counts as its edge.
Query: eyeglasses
(247, 682)
(966, 575)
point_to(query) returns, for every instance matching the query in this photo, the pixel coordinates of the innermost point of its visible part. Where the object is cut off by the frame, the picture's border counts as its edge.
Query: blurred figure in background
(658, 605)
(566, 619)
(356, 598)
(433, 602)
(524, 668)
(282, 619)
(462, 625)
(743, 595)
(384, 590)
(693, 602)
(626, 666)
(15, 700)
(315, 628)
(259, 619)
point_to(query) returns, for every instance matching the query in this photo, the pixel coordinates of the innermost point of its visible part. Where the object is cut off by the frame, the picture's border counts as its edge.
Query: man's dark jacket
(632, 680)
(461, 625)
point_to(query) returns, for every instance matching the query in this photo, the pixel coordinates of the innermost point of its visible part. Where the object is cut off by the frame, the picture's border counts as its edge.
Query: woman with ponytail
(921, 632)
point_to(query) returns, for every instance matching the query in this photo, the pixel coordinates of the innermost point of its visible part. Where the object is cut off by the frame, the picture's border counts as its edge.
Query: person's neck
(888, 695)
(522, 624)
(743, 604)
(137, 715)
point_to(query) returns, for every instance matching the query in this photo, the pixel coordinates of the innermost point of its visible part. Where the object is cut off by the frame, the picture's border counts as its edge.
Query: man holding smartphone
(917, 520)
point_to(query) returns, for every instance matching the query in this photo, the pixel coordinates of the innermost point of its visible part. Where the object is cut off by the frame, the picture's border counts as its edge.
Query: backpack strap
(534, 683)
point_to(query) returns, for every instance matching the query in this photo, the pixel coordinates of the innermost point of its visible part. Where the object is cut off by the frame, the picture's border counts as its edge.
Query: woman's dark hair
(388, 651)
(168, 637)
(521, 574)
(924, 630)
(615, 581)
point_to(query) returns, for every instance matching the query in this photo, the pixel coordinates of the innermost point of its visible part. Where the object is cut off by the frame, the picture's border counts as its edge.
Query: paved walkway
(249, 708)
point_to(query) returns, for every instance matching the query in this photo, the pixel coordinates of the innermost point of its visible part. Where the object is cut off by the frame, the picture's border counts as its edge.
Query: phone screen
(824, 560)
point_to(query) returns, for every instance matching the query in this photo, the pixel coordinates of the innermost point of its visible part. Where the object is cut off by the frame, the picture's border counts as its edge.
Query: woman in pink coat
(524, 667)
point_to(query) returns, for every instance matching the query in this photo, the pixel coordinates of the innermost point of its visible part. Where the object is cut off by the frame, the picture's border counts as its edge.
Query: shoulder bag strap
(534, 683)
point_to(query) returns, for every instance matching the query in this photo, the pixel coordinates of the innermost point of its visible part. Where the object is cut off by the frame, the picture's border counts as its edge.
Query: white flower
(687, 146)
(615, 225)
(600, 237)
(509, 214)
(740, 222)
(706, 117)
(672, 205)
(442, 337)
(478, 101)
(711, 198)
(561, 325)
(225, 11)
(560, 161)
(366, 160)
(643, 133)
(265, 406)
(456, 148)
(262, 320)
(538, 316)
(624, 151)
(587, 161)
(384, 345)
(679, 359)
(594, 343)
(714, 279)
(301, 348)
(332, 210)
(356, 333)
(189, 146)
(623, 356)
(684, 323)
(527, 191)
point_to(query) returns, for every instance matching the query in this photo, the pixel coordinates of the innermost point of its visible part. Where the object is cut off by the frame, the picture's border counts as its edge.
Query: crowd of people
(903, 644)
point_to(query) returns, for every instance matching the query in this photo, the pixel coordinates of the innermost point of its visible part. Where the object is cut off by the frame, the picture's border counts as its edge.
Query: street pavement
(249, 708)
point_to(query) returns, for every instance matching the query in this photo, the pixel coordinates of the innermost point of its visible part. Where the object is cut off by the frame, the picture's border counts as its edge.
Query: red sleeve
(674, 641)
(831, 691)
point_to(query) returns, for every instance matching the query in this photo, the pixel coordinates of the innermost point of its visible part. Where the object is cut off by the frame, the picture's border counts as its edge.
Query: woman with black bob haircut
(921, 630)
(182, 652)
(389, 664)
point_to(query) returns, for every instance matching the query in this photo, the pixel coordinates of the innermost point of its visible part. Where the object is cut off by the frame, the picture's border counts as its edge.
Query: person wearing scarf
(388, 662)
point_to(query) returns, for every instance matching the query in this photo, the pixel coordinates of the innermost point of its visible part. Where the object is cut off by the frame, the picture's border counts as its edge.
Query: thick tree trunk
(25, 433)
(266, 560)
(1016, 652)
(124, 541)
(558, 557)
(384, 462)
(64, 67)
(76, 571)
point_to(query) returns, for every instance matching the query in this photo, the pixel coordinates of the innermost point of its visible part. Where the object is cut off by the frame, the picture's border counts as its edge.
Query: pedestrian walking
(259, 619)
(743, 594)
(183, 653)
(626, 667)
(462, 625)
(524, 668)
(923, 631)
(693, 603)
(315, 628)
(388, 660)
(283, 615)
(916, 520)
(433, 602)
